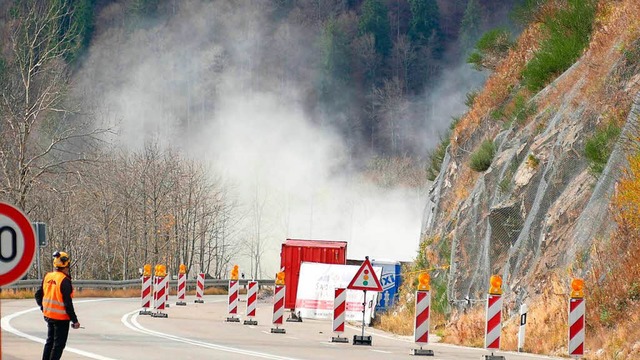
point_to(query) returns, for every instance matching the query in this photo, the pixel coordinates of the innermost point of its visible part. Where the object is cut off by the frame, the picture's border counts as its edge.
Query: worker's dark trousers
(58, 331)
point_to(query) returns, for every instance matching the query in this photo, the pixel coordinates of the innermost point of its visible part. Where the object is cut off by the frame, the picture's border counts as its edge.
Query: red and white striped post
(146, 292)
(423, 308)
(233, 301)
(339, 312)
(494, 316)
(252, 298)
(278, 304)
(577, 309)
(200, 289)
(182, 285)
(159, 298)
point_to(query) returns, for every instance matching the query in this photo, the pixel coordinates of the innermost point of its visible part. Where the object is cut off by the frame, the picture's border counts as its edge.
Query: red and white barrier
(494, 322)
(200, 288)
(182, 289)
(159, 296)
(339, 313)
(278, 308)
(421, 329)
(233, 300)
(252, 299)
(146, 295)
(576, 327)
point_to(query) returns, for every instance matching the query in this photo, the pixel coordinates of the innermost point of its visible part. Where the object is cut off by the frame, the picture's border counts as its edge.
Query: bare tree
(41, 133)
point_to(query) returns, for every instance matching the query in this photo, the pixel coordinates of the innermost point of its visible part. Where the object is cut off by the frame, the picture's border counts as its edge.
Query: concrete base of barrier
(361, 340)
(422, 352)
(233, 319)
(294, 318)
(145, 312)
(160, 315)
(339, 339)
(181, 303)
(494, 357)
(198, 301)
(167, 305)
(278, 331)
(250, 322)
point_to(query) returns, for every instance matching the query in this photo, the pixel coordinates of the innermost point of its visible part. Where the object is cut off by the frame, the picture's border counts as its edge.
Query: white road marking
(134, 325)
(5, 323)
(381, 351)
(359, 328)
(292, 337)
(266, 332)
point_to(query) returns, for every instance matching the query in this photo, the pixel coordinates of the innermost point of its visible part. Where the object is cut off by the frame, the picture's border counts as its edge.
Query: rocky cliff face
(538, 208)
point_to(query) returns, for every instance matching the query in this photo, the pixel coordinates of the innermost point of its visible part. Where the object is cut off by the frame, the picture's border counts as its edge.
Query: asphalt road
(114, 330)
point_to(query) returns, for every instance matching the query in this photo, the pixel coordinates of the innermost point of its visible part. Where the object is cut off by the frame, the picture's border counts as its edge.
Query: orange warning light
(183, 269)
(577, 288)
(280, 278)
(496, 285)
(423, 281)
(146, 270)
(234, 272)
(161, 270)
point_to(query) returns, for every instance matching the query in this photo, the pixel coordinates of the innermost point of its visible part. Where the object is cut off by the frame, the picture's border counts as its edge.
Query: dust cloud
(208, 80)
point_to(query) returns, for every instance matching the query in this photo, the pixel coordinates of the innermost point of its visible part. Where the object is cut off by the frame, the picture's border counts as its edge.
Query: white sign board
(316, 286)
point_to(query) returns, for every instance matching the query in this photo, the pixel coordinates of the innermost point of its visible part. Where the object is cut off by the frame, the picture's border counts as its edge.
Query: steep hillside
(525, 186)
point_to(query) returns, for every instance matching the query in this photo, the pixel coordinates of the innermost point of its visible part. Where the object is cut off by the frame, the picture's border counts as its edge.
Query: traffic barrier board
(365, 278)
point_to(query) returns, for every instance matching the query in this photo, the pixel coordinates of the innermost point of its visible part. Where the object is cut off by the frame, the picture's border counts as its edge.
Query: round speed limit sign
(17, 244)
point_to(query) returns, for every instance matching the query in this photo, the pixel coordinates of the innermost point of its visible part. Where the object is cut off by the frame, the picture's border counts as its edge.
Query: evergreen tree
(375, 20)
(470, 25)
(336, 70)
(424, 21)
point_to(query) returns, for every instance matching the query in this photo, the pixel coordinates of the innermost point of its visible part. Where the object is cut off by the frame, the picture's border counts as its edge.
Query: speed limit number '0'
(17, 244)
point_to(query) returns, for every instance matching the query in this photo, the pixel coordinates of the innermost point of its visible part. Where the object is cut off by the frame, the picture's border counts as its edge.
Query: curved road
(115, 331)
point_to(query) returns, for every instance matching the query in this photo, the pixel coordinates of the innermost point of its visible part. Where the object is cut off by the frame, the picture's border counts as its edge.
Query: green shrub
(436, 157)
(568, 32)
(470, 98)
(490, 49)
(481, 159)
(597, 148)
(522, 109)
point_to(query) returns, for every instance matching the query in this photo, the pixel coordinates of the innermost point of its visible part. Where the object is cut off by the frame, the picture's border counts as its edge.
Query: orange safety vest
(52, 303)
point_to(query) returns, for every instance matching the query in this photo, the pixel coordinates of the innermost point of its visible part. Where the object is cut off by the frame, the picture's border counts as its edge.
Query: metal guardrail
(126, 284)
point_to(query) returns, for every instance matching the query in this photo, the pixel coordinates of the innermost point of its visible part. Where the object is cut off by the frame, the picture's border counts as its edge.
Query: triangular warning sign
(365, 278)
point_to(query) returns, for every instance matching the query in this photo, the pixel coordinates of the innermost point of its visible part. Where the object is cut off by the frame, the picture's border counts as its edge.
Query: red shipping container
(295, 251)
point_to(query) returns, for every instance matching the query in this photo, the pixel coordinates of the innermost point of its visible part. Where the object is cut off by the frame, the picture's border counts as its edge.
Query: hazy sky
(195, 81)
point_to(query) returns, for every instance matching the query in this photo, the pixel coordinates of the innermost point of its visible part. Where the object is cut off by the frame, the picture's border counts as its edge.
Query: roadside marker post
(166, 292)
(252, 297)
(577, 310)
(278, 304)
(233, 295)
(147, 292)
(523, 325)
(182, 285)
(494, 318)
(200, 289)
(339, 312)
(421, 325)
(159, 292)
(365, 279)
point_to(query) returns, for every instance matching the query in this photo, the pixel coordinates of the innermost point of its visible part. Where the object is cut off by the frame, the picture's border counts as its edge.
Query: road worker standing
(54, 299)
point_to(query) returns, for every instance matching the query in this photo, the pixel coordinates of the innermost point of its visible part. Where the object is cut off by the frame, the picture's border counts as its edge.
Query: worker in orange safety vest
(54, 298)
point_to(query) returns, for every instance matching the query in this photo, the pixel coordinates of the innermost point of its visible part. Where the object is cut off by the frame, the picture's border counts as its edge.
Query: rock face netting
(536, 209)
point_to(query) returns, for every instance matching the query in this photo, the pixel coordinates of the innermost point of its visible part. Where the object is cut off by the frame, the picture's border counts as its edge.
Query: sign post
(365, 279)
(17, 244)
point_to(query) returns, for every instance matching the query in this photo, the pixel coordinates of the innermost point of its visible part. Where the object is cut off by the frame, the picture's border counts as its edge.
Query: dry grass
(466, 328)
(118, 293)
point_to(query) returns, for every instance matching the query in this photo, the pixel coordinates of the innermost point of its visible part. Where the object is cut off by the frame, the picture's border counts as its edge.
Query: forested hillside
(115, 116)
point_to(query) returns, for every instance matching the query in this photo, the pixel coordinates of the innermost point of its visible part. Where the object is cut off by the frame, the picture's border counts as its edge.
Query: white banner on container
(316, 285)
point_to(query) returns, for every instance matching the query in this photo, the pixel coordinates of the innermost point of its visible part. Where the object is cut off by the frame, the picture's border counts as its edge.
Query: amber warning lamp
(183, 269)
(280, 278)
(577, 288)
(146, 270)
(234, 272)
(423, 281)
(161, 270)
(495, 283)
